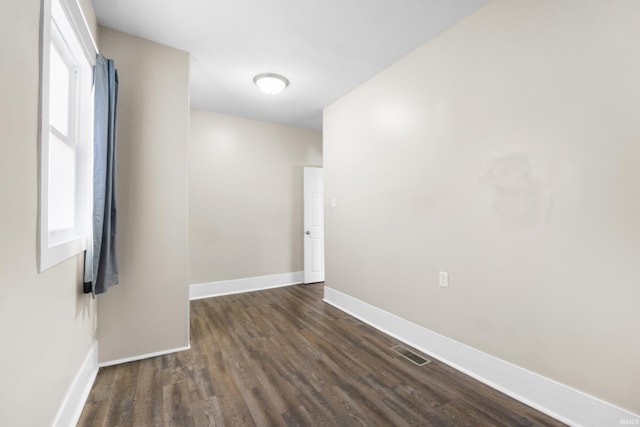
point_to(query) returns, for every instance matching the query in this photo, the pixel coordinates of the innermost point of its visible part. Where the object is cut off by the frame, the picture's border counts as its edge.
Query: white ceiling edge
(325, 48)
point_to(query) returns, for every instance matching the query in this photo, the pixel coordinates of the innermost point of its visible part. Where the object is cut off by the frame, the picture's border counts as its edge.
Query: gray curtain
(101, 262)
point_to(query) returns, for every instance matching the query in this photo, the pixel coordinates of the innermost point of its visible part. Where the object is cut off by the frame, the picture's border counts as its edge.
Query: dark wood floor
(283, 357)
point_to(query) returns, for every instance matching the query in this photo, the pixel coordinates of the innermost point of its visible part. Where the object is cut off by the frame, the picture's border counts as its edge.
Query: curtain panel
(101, 261)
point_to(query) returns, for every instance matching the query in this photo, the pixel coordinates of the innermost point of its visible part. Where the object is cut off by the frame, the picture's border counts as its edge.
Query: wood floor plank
(282, 357)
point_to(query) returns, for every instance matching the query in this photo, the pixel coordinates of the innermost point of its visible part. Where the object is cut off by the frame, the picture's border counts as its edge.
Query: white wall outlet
(444, 279)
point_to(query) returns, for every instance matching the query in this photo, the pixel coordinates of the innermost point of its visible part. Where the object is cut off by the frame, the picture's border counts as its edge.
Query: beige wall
(148, 311)
(46, 322)
(245, 196)
(505, 152)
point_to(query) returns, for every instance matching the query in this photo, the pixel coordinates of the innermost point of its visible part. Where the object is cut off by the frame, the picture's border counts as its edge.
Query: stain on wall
(520, 198)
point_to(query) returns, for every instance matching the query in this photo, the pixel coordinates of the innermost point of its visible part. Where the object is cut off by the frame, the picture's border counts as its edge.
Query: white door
(313, 225)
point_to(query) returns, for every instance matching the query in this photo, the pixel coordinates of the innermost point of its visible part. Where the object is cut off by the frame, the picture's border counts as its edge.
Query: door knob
(307, 232)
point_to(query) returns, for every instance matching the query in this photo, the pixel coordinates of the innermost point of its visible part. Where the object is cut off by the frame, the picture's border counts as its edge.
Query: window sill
(54, 255)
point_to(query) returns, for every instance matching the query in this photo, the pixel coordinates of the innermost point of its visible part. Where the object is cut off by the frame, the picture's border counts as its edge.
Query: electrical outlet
(444, 279)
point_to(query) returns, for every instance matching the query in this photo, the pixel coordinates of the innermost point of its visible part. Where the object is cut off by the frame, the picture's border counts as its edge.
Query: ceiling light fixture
(271, 83)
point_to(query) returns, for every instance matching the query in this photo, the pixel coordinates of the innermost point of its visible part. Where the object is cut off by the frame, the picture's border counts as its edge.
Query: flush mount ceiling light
(271, 83)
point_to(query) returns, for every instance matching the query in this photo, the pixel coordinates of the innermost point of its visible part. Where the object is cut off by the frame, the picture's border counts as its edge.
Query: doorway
(313, 225)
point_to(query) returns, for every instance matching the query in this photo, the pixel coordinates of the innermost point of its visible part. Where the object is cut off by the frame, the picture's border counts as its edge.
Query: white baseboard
(249, 284)
(75, 398)
(559, 401)
(142, 356)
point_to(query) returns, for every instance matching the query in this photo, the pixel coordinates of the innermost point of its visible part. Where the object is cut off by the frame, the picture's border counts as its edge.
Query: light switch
(333, 202)
(444, 279)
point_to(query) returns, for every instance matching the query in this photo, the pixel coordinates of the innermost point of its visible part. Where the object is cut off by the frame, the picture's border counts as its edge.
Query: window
(66, 133)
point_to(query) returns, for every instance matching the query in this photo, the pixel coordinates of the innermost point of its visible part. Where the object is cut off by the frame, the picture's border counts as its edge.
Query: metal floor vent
(410, 355)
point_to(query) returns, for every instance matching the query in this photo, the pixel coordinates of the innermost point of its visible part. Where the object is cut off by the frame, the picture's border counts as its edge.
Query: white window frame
(63, 23)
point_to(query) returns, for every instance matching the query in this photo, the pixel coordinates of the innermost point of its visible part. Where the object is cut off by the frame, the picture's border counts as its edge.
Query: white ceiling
(324, 47)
